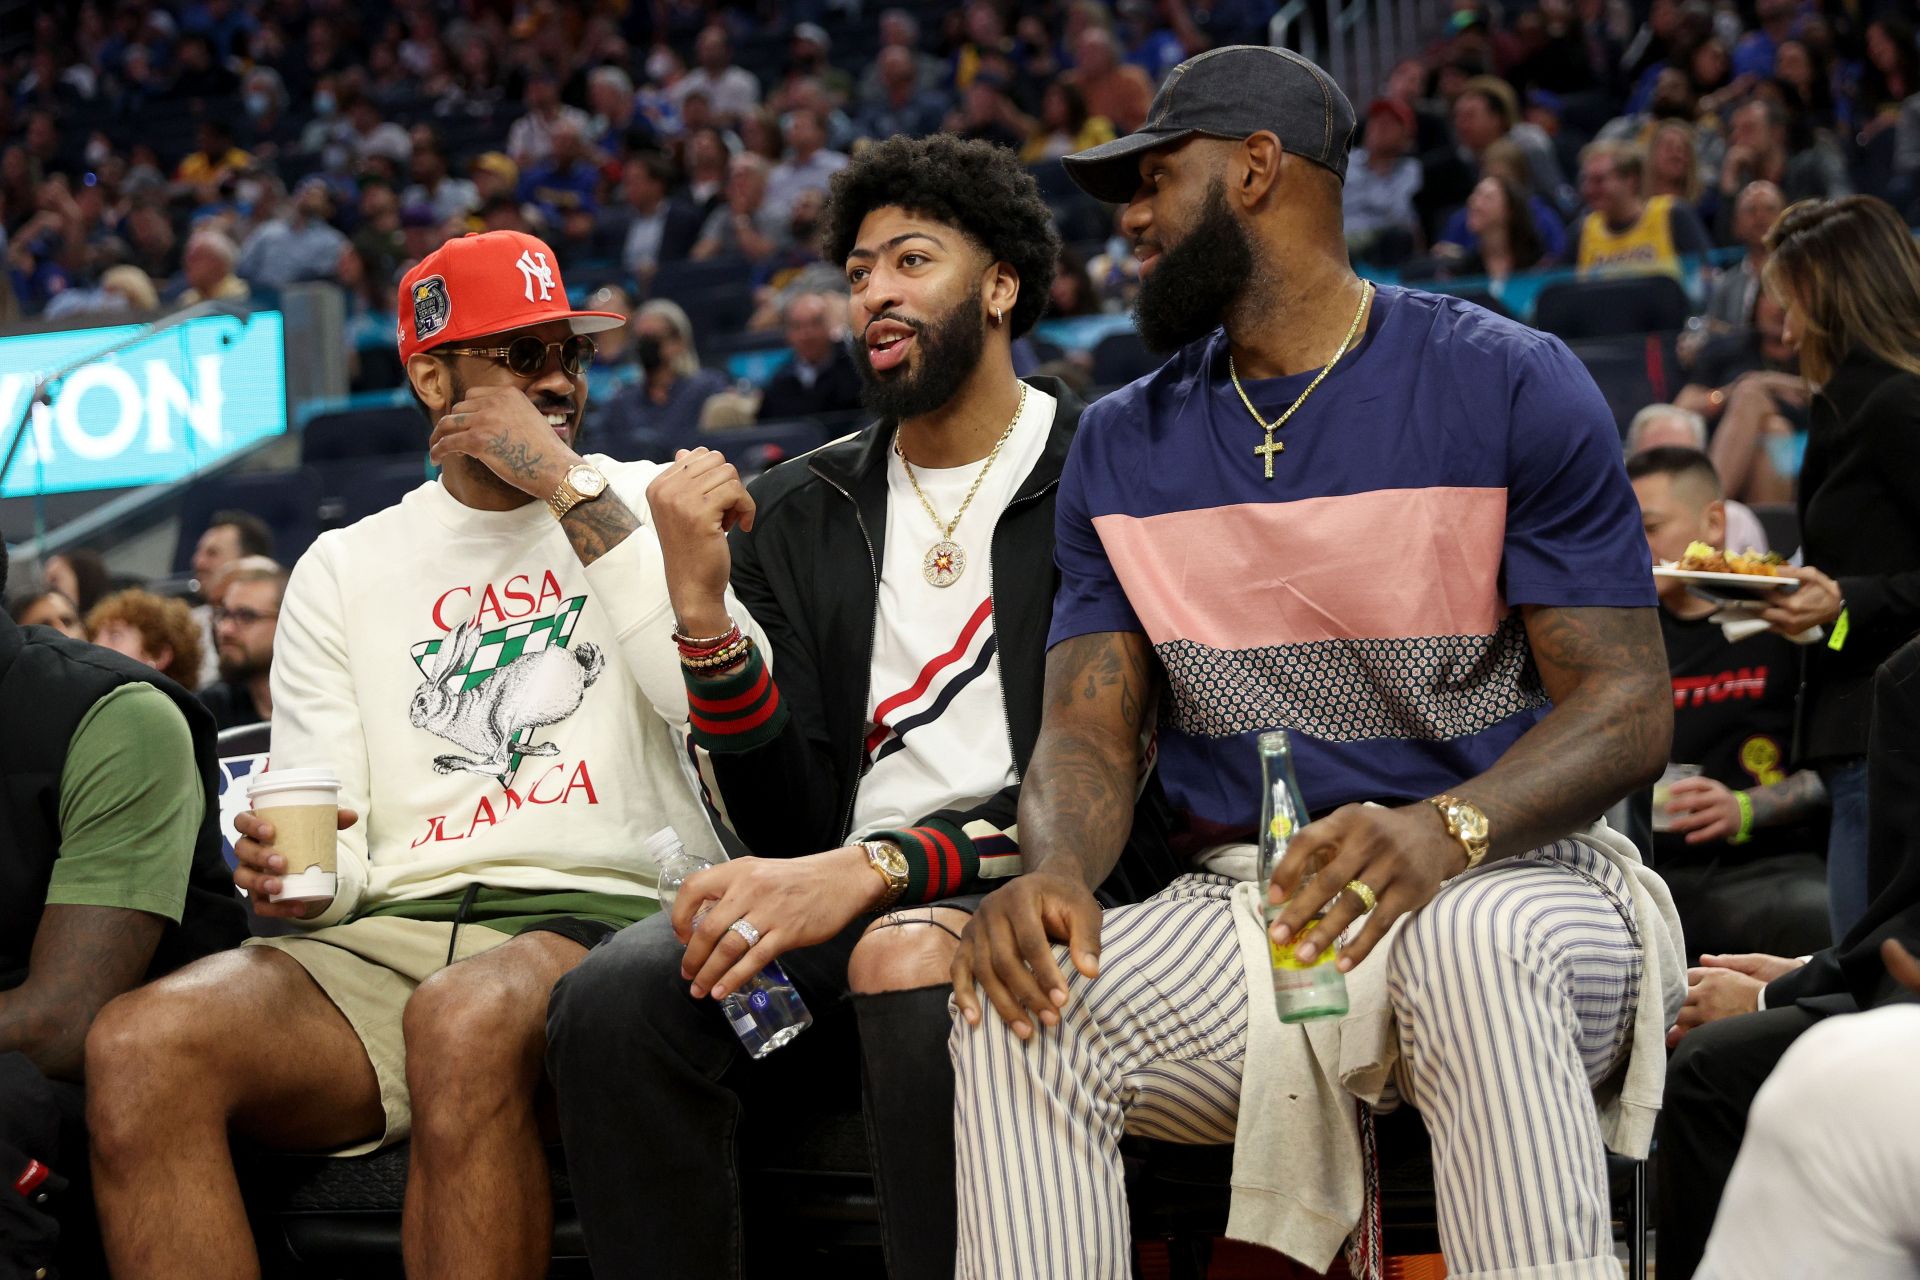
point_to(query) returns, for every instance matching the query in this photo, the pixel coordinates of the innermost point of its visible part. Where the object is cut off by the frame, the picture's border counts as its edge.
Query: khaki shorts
(369, 968)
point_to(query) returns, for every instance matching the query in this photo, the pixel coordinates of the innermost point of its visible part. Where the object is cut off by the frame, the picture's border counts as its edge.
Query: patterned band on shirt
(743, 710)
(735, 712)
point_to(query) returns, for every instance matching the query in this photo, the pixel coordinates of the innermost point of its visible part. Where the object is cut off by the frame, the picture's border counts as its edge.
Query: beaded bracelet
(691, 648)
(725, 657)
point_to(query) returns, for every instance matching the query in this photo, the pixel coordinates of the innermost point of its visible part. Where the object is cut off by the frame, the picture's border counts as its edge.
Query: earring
(997, 317)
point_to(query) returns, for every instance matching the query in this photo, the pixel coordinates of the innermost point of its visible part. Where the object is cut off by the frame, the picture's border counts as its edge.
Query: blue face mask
(323, 102)
(1787, 452)
(258, 104)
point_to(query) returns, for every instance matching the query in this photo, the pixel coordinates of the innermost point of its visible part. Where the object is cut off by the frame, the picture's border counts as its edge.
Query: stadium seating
(363, 433)
(1119, 358)
(809, 1190)
(688, 282)
(289, 501)
(1631, 372)
(1612, 306)
(355, 490)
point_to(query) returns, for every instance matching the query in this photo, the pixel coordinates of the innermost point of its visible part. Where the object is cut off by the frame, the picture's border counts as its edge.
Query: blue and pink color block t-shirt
(1453, 468)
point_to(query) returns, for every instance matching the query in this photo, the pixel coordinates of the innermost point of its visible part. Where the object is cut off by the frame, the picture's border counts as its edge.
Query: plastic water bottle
(767, 1011)
(1301, 989)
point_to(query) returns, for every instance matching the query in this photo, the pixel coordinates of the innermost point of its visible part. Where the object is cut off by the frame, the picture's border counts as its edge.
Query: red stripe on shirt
(720, 706)
(724, 728)
(949, 859)
(927, 673)
(931, 857)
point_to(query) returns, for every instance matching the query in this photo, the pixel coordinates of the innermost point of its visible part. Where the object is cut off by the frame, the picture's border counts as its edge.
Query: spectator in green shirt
(110, 873)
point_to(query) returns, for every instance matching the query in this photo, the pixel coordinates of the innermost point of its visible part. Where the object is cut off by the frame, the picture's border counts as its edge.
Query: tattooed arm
(82, 958)
(1704, 810)
(1076, 802)
(1607, 735)
(1796, 796)
(597, 527)
(500, 428)
(1076, 807)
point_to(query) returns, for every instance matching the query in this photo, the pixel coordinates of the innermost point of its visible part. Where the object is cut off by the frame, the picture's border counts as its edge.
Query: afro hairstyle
(975, 186)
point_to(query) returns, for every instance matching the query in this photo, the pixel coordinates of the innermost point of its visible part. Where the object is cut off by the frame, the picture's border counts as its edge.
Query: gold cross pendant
(1268, 449)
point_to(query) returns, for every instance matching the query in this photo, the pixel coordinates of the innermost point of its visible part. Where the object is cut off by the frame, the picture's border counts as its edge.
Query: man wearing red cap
(487, 668)
(1382, 180)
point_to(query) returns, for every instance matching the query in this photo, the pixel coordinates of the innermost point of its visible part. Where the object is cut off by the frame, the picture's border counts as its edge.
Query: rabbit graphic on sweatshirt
(492, 708)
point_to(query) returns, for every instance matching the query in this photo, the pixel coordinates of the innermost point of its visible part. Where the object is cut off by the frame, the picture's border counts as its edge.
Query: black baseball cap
(1232, 92)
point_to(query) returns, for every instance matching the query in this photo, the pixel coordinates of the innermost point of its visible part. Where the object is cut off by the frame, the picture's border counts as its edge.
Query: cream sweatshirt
(497, 713)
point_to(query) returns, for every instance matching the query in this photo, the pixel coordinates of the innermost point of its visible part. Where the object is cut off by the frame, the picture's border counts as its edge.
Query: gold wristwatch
(885, 857)
(582, 483)
(1466, 824)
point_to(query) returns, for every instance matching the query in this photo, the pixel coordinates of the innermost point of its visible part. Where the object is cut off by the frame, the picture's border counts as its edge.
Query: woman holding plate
(1848, 273)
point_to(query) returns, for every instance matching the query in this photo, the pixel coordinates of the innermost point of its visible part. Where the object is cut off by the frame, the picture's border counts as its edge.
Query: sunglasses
(526, 356)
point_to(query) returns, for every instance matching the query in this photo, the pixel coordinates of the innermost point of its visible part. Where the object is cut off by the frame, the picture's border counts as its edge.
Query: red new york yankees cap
(487, 283)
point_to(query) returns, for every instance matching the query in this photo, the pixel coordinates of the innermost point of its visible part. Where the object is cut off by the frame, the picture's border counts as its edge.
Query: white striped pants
(1514, 991)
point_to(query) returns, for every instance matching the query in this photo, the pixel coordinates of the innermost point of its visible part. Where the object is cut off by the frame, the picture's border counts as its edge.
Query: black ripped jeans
(658, 1102)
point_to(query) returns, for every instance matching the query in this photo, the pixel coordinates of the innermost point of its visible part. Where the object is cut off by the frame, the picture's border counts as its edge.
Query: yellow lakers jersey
(1645, 246)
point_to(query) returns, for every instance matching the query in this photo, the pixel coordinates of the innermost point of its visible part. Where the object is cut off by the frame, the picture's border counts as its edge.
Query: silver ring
(745, 930)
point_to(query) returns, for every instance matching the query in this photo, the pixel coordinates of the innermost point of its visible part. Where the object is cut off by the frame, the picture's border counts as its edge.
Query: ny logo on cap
(534, 270)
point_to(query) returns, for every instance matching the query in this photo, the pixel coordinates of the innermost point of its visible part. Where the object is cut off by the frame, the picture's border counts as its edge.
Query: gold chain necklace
(1273, 446)
(945, 561)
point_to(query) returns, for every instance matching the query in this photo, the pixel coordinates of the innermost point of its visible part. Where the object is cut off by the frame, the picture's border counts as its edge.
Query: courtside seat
(1179, 1194)
(809, 1196)
(1610, 306)
(1630, 371)
(809, 1193)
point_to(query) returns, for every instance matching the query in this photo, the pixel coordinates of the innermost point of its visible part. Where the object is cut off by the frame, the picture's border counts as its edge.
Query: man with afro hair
(904, 578)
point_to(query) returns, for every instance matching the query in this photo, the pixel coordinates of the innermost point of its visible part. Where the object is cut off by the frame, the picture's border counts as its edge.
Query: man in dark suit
(1744, 1012)
(659, 228)
(820, 378)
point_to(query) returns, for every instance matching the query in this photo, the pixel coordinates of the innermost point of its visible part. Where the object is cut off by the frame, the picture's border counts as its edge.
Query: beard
(947, 349)
(1186, 295)
(237, 667)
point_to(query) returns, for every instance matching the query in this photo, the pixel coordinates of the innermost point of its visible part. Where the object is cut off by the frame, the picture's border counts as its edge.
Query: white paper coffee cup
(303, 805)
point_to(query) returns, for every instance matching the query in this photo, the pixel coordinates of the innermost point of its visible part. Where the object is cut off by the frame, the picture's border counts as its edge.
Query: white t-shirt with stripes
(937, 734)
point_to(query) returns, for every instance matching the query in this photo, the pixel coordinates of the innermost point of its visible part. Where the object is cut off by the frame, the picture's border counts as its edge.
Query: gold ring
(1360, 891)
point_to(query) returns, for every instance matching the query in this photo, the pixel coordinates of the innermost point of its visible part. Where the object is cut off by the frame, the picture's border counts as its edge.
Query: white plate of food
(1720, 575)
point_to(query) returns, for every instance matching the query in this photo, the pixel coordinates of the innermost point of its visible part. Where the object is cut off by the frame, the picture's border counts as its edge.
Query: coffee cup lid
(293, 780)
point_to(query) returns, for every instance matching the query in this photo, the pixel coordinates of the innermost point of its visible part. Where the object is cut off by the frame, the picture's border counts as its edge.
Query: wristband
(1841, 625)
(1745, 833)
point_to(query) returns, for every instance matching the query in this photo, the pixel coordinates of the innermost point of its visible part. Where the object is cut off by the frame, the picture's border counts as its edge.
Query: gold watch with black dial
(1465, 823)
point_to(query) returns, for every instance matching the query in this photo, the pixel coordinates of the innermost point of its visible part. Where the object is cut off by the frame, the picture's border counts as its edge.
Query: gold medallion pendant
(944, 563)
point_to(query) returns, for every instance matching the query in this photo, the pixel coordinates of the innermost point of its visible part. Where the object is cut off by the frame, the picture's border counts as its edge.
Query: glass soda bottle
(1301, 990)
(767, 1011)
